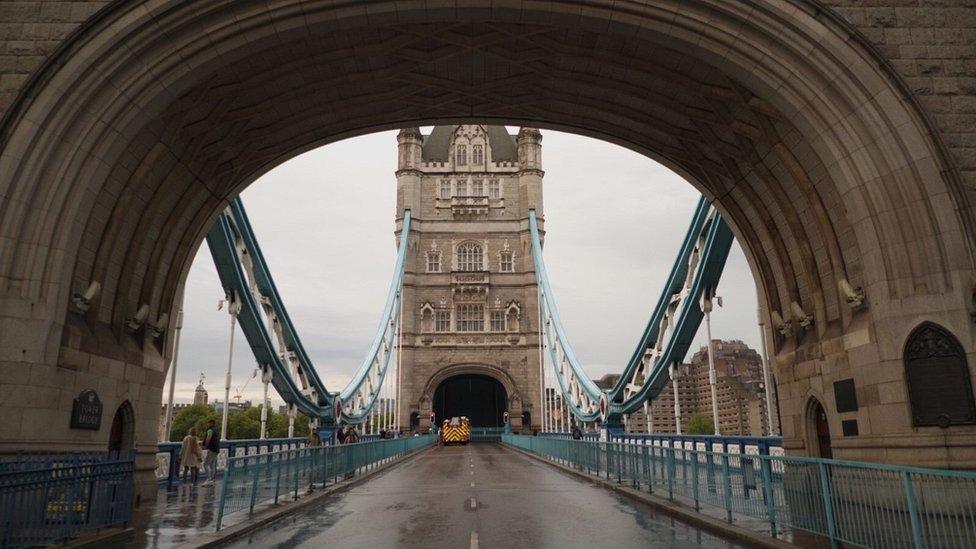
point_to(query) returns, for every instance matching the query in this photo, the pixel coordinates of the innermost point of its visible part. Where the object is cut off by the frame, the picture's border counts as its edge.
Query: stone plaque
(86, 411)
(845, 396)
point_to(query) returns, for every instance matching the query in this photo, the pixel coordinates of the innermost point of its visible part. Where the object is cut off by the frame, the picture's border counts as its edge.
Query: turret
(529, 144)
(409, 146)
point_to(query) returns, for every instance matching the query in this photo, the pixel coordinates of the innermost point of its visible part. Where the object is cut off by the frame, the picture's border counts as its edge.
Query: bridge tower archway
(119, 151)
(480, 397)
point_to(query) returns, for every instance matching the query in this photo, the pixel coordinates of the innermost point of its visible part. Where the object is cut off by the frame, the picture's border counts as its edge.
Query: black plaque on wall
(845, 396)
(86, 411)
(849, 426)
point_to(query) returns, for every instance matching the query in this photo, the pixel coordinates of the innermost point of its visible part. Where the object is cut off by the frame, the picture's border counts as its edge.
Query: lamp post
(772, 419)
(168, 423)
(233, 307)
(266, 375)
(673, 371)
(706, 307)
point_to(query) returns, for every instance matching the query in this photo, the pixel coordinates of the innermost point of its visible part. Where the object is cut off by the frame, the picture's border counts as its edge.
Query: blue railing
(47, 498)
(168, 453)
(487, 434)
(710, 443)
(587, 435)
(855, 503)
(253, 479)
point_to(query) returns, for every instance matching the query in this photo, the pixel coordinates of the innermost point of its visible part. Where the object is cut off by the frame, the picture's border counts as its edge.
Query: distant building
(200, 394)
(739, 388)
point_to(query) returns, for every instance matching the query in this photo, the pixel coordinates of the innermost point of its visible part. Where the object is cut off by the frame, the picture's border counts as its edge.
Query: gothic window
(494, 188)
(470, 317)
(507, 262)
(461, 188)
(445, 188)
(477, 155)
(940, 390)
(498, 321)
(433, 262)
(442, 321)
(512, 317)
(477, 188)
(461, 155)
(469, 257)
(426, 318)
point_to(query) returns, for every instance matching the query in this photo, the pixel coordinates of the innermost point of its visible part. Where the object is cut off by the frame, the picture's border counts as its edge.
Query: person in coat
(191, 456)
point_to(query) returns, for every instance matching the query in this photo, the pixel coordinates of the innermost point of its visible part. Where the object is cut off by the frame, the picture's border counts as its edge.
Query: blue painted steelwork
(253, 479)
(669, 332)
(848, 502)
(272, 337)
(579, 391)
(46, 498)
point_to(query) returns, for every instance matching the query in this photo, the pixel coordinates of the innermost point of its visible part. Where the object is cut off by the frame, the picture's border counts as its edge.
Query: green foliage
(700, 424)
(192, 416)
(241, 424)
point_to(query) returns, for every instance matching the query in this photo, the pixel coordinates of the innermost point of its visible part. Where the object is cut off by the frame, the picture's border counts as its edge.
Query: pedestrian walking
(191, 456)
(211, 442)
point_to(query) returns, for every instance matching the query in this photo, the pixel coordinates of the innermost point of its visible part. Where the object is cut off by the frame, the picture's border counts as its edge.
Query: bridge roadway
(480, 495)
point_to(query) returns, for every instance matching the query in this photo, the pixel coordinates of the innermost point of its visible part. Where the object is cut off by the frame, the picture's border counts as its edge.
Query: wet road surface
(480, 495)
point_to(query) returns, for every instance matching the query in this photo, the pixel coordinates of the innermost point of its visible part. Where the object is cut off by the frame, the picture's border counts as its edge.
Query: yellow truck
(456, 430)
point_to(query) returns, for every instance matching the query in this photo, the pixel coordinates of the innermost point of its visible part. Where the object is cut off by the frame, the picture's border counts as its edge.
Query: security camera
(82, 301)
(784, 327)
(135, 322)
(159, 328)
(853, 296)
(802, 317)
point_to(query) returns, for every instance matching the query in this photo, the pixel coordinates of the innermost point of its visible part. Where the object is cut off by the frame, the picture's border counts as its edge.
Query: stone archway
(120, 150)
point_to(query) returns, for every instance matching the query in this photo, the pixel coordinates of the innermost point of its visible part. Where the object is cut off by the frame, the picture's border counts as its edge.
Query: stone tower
(470, 307)
(200, 394)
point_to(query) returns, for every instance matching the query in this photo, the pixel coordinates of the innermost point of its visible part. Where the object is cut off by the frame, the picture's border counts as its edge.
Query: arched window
(506, 262)
(461, 155)
(477, 155)
(470, 257)
(433, 261)
(940, 390)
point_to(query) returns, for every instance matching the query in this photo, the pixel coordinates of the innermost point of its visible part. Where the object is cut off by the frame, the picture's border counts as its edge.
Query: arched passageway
(479, 397)
(119, 152)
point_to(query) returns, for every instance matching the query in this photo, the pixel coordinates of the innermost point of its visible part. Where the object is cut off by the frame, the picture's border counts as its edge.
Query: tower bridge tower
(470, 342)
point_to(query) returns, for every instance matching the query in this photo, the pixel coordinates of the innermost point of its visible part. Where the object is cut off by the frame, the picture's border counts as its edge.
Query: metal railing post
(223, 493)
(278, 479)
(827, 503)
(767, 475)
(254, 485)
(669, 469)
(694, 479)
(727, 478)
(912, 503)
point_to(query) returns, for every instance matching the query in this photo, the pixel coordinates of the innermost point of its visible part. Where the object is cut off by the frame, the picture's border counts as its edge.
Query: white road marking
(474, 540)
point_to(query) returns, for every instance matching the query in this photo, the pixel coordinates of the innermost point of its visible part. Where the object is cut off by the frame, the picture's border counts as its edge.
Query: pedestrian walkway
(478, 495)
(179, 514)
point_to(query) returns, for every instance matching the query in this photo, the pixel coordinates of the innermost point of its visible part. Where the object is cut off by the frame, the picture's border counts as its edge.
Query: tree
(700, 424)
(191, 416)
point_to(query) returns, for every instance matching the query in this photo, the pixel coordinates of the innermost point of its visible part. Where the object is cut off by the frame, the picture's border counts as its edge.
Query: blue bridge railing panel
(847, 502)
(48, 498)
(168, 453)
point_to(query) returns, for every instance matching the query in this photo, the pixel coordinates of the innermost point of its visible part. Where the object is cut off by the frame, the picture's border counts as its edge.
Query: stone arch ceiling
(183, 105)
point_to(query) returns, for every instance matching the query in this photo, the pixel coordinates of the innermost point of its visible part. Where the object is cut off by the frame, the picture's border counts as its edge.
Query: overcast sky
(324, 220)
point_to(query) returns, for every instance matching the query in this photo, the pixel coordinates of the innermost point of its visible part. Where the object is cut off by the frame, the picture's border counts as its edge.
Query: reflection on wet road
(481, 495)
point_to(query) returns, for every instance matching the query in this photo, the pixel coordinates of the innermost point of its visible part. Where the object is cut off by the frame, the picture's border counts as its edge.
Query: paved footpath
(480, 495)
